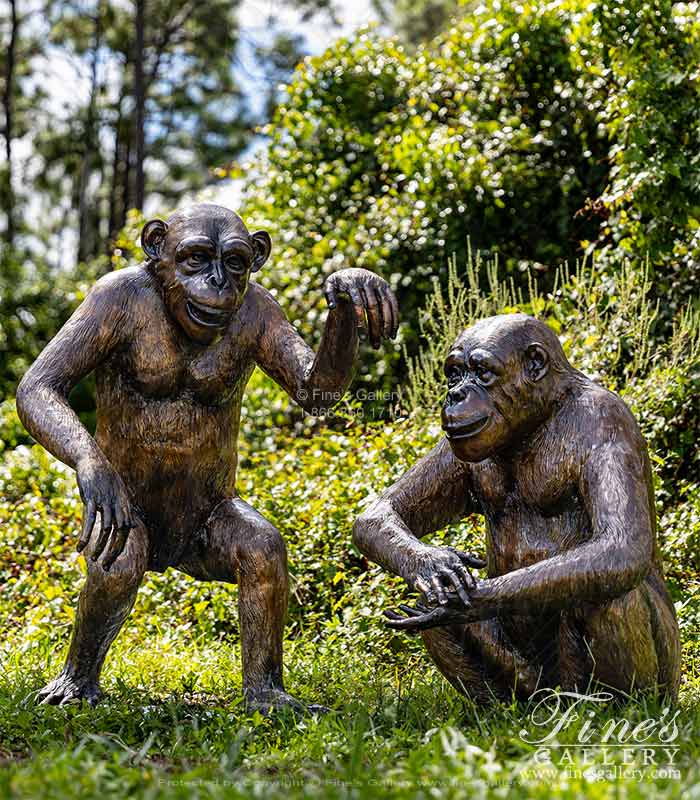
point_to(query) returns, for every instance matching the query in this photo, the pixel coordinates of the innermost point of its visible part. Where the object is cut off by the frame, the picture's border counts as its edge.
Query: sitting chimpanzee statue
(173, 343)
(557, 466)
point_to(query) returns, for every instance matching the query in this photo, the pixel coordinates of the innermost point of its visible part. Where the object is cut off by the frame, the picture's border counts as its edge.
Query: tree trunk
(115, 194)
(127, 179)
(7, 101)
(140, 103)
(88, 227)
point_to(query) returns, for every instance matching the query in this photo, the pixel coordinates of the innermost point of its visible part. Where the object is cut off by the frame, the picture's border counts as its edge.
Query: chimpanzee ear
(536, 362)
(152, 238)
(262, 245)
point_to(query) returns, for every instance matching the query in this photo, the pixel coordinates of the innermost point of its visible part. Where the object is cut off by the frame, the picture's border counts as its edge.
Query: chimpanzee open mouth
(467, 430)
(207, 315)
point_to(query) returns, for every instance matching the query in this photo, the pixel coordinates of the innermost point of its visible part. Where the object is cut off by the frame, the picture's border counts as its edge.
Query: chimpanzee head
(504, 374)
(203, 256)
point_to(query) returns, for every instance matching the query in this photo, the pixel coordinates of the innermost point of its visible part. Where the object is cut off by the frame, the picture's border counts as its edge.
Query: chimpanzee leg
(479, 662)
(104, 604)
(632, 642)
(240, 546)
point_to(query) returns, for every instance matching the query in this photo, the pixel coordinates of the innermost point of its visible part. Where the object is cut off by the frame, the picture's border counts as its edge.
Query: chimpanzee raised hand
(558, 467)
(173, 343)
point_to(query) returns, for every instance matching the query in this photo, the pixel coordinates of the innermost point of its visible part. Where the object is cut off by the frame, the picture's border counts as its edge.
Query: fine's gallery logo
(568, 731)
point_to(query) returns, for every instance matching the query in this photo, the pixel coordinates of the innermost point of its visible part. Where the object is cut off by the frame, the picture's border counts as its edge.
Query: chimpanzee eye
(483, 374)
(454, 375)
(196, 259)
(235, 264)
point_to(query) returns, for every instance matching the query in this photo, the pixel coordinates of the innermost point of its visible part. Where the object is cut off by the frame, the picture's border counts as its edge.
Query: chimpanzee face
(204, 256)
(493, 394)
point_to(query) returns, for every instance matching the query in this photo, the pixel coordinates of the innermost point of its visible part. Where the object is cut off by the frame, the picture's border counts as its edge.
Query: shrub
(648, 54)
(34, 302)
(389, 160)
(606, 325)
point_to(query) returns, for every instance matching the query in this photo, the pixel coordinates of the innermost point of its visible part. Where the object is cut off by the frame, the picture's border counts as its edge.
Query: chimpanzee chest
(160, 366)
(530, 515)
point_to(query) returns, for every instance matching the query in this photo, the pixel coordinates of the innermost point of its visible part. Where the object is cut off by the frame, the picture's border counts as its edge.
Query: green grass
(172, 726)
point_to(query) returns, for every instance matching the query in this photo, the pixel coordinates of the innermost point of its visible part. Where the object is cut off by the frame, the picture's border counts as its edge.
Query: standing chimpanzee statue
(558, 467)
(173, 343)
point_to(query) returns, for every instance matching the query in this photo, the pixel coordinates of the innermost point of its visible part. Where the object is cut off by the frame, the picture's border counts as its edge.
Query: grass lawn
(172, 726)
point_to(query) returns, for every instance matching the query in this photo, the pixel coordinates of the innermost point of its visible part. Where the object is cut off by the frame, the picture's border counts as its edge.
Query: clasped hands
(443, 578)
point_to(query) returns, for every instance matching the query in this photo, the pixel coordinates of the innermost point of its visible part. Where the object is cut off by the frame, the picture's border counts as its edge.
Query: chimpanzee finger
(399, 623)
(439, 591)
(410, 611)
(116, 546)
(120, 515)
(425, 589)
(385, 308)
(394, 303)
(358, 307)
(331, 298)
(454, 579)
(469, 579)
(374, 318)
(471, 560)
(89, 517)
(105, 530)
(432, 619)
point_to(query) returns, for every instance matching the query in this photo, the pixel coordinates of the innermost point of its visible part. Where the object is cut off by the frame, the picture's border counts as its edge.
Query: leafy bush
(12, 432)
(390, 160)
(648, 54)
(535, 130)
(606, 325)
(34, 302)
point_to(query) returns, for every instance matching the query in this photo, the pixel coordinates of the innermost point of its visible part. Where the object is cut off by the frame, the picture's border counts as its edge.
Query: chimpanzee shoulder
(600, 416)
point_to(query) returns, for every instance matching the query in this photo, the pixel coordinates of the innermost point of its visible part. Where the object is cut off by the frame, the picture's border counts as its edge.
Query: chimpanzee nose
(217, 277)
(458, 393)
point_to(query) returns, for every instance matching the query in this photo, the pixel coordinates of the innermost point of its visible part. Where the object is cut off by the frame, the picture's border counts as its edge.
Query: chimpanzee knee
(263, 552)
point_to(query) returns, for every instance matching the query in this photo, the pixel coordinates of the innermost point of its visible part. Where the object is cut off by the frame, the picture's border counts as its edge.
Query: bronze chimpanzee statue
(557, 465)
(173, 343)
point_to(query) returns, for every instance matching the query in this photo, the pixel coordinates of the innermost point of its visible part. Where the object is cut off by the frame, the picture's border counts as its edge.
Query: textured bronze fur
(558, 468)
(173, 343)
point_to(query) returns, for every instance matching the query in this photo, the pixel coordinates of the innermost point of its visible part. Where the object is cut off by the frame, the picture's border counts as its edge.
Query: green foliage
(195, 115)
(34, 303)
(390, 160)
(533, 130)
(398, 733)
(648, 52)
(416, 21)
(12, 432)
(606, 324)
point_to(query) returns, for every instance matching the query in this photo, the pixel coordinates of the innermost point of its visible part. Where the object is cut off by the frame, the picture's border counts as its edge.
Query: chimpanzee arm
(94, 330)
(358, 301)
(433, 493)
(615, 488)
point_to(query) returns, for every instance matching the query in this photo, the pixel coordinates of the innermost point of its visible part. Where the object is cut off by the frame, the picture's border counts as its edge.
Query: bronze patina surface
(173, 343)
(559, 470)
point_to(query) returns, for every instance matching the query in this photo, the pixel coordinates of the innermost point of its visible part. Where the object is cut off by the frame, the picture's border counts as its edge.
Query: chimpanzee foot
(271, 701)
(68, 688)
